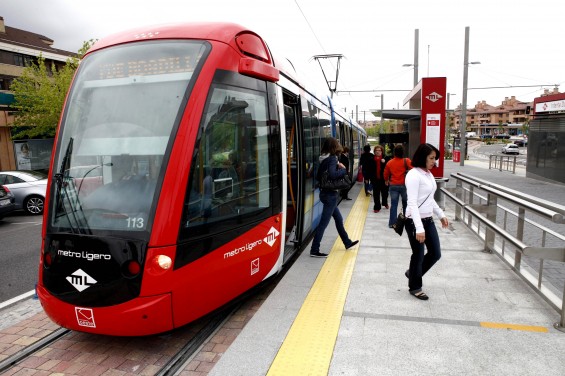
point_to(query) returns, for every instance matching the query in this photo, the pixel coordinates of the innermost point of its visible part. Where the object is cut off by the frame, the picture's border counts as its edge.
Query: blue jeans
(420, 263)
(396, 191)
(330, 200)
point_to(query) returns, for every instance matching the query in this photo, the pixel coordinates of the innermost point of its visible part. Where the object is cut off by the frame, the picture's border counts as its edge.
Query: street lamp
(447, 115)
(415, 72)
(463, 124)
(382, 107)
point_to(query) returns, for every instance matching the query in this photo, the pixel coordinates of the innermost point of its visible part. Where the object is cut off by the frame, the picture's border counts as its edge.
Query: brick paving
(83, 354)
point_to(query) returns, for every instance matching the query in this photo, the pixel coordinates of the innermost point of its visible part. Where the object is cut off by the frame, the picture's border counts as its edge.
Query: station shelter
(424, 117)
(546, 135)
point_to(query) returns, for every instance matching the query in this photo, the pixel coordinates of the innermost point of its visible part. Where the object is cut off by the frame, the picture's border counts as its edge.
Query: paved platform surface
(481, 319)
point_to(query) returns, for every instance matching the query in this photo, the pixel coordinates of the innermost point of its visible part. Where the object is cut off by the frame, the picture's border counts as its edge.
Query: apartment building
(507, 118)
(18, 49)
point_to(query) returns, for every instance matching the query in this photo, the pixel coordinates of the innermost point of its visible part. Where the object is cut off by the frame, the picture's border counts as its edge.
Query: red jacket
(395, 171)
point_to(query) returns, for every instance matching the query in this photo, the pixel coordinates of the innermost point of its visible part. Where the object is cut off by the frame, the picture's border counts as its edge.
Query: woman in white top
(420, 227)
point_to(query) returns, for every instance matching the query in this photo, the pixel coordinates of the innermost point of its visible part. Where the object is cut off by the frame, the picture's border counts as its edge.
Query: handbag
(400, 223)
(398, 226)
(334, 184)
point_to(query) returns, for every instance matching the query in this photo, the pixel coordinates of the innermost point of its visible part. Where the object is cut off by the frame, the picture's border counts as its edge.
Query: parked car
(6, 201)
(521, 142)
(511, 149)
(28, 188)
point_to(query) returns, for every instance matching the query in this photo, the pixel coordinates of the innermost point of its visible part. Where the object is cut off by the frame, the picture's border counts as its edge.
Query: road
(20, 243)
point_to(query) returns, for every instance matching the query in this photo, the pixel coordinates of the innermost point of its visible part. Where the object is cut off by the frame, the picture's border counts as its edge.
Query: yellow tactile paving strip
(527, 328)
(309, 345)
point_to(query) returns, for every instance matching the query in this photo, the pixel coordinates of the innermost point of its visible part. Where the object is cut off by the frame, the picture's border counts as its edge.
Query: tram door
(294, 220)
(297, 226)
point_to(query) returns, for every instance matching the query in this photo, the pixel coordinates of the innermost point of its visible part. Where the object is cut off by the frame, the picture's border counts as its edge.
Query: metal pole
(382, 108)
(357, 113)
(416, 43)
(463, 124)
(428, 74)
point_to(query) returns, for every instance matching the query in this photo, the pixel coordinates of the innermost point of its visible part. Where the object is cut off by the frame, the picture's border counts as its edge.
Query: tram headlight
(164, 262)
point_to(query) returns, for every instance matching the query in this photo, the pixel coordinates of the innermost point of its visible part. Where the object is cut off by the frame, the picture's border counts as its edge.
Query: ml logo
(80, 280)
(434, 97)
(271, 236)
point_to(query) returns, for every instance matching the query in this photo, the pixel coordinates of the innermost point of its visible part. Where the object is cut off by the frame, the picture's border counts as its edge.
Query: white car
(511, 149)
(28, 187)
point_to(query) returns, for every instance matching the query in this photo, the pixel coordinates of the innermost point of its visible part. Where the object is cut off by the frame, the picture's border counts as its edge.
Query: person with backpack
(329, 162)
(394, 175)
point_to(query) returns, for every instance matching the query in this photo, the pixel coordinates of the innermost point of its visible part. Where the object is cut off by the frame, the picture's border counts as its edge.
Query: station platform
(352, 314)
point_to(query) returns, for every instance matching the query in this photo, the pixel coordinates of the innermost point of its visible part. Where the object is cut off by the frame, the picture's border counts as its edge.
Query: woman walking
(380, 189)
(395, 174)
(420, 227)
(329, 198)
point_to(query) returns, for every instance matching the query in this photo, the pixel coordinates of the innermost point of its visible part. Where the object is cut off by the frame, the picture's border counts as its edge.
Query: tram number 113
(136, 222)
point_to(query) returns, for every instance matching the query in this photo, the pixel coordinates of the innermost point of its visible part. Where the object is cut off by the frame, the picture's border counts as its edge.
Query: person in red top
(380, 190)
(394, 175)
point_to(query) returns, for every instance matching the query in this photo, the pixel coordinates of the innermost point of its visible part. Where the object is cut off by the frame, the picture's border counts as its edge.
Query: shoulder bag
(398, 226)
(334, 184)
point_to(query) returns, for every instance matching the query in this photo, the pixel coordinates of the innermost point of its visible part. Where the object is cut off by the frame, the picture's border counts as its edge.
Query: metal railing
(505, 233)
(502, 162)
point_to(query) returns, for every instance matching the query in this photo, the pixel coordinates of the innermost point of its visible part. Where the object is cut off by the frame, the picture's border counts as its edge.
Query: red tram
(182, 176)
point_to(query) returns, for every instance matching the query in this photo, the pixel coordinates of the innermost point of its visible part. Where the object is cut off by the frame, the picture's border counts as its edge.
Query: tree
(39, 96)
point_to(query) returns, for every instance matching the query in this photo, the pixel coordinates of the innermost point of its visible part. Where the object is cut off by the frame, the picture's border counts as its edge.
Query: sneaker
(376, 211)
(386, 206)
(353, 244)
(318, 254)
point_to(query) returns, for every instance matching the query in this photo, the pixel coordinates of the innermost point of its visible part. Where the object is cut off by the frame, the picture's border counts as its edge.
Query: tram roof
(401, 114)
(220, 31)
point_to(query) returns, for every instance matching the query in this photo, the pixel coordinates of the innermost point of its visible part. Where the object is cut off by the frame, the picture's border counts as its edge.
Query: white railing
(508, 233)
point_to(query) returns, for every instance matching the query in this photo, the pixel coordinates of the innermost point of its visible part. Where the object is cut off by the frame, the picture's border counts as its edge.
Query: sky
(518, 43)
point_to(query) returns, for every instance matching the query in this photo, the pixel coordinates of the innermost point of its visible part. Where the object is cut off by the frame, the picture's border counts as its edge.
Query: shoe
(353, 244)
(420, 295)
(318, 254)
(386, 206)
(376, 211)
(407, 274)
(348, 198)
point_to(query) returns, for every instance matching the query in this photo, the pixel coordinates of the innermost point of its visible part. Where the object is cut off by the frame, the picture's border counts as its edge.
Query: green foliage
(39, 95)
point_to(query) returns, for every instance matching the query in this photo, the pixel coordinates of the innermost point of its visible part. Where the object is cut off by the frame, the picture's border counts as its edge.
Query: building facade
(18, 49)
(511, 117)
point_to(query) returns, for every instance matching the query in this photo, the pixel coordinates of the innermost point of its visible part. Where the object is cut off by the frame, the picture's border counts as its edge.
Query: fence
(502, 162)
(504, 230)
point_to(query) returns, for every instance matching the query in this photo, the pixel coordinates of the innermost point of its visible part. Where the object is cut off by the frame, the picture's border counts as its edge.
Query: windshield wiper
(63, 193)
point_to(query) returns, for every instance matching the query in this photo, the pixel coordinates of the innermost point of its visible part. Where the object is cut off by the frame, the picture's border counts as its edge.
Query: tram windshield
(121, 112)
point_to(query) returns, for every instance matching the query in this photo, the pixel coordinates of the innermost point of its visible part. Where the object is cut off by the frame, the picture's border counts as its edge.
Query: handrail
(487, 216)
(536, 200)
(553, 215)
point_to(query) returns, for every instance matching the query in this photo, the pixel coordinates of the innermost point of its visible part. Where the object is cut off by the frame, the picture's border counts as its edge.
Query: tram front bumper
(138, 317)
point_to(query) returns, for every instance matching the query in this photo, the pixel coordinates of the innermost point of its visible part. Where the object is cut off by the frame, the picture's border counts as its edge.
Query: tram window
(230, 179)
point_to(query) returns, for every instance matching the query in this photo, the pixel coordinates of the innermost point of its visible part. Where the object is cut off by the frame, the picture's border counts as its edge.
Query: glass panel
(230, 173)
(122, 110)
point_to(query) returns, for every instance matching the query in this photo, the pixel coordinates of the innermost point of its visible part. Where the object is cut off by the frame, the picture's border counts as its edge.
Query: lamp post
(463, 124)
(447, 115)
(382, 107)
(415, 72)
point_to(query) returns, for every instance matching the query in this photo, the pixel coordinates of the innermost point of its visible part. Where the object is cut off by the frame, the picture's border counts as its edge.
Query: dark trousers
(380, 193)
(420, 263)
(330, 209)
